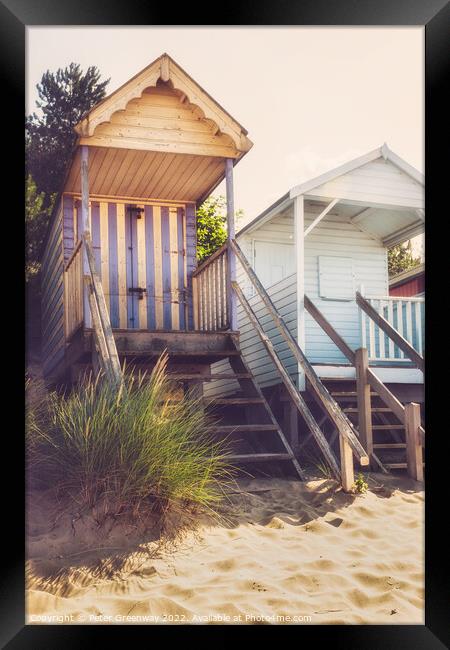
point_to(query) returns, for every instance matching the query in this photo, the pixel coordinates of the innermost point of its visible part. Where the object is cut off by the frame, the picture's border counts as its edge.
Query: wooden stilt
(363, 400)
(347, 473)
(413, 441)
(231, 275)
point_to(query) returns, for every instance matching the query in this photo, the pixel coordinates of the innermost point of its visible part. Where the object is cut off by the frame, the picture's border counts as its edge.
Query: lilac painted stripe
(181, 293)
(150, 267)
(191, 253)
(79, 221)
(68, 226)
(129, 269)
(165, 245)
(134, 268)
(96, 241)
(113, 265)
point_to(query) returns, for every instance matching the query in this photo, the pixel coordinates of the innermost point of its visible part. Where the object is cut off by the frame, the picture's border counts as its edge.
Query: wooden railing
(348, 436)
(366, 379)
(80, 277)
(104, 338)
(73, 291)
(392, 328)
(209, 288)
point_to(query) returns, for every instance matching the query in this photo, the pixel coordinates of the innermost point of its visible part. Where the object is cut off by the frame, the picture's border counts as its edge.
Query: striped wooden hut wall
(53, 343)
(142, 245)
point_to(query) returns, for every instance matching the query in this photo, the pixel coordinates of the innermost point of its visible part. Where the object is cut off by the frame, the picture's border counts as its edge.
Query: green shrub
(128, 447)
(361, 486)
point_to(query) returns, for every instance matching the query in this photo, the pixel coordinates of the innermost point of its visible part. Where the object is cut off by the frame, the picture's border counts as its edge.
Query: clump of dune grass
(127, 448)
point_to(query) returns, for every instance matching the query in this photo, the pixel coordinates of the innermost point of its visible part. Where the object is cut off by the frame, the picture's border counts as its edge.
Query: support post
(231, 275)
(347, 473)
(299, 237)
(85, 188)
(413, 446)
(84, 176)
(290, 417)
(363, 400)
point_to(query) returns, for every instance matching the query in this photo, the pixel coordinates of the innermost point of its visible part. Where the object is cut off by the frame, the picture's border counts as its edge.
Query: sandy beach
(283, 552)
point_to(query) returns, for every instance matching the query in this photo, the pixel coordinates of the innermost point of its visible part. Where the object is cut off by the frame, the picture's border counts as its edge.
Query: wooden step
(258, 458)
(395, 465)
(390, 445)
(224, 401)
(214, 377)
(349, 393)
(244, 428)
(234, 401)
(387, 427)
(375, 409)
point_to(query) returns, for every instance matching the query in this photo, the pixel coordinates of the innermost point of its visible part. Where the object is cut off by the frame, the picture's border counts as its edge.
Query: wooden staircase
(245, 419)
(388, 433)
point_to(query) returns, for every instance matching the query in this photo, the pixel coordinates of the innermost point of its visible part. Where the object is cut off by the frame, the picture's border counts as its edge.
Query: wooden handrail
(329, 330)
(78, 245)
(391, 332)
(385, 394)
(341, 421)
(102, 324)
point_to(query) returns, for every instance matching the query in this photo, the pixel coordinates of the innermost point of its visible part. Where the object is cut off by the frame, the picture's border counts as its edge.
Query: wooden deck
(144, 346)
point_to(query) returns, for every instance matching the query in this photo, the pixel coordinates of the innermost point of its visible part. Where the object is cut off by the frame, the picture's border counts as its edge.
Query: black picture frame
(15, 15)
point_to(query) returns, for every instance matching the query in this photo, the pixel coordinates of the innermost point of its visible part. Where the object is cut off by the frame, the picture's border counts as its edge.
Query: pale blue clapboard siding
(53, 344)
(379, 181)
(283, 295)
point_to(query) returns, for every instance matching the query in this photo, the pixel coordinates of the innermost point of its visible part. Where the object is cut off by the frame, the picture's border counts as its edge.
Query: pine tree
(64, 98)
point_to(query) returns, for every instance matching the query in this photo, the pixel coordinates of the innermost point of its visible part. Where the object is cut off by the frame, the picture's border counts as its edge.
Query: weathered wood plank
(347, 472)
(363, 400)
(329, 330)
(231, 275)
(102, 310)
(413, 445)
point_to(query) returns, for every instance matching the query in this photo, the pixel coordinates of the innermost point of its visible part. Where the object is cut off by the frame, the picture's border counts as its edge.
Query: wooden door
(273, 261)
(140, 254)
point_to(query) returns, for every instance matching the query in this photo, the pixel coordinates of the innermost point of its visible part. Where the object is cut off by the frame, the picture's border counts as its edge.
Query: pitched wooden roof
(165, 69)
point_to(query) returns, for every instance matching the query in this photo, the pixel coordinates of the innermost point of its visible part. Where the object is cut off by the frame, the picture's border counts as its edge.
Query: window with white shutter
(336, 278)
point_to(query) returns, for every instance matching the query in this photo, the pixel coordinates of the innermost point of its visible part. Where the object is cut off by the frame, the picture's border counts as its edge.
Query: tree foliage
(212, 226)
(36, 220)
(65, 96)
(401, 258)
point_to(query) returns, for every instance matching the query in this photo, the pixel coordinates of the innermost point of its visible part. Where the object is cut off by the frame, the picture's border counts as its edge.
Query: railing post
(299, 237)
(231, 275)
(413, 447)
(84, 178)
(347, 472)
(363, 400)
(195, 303)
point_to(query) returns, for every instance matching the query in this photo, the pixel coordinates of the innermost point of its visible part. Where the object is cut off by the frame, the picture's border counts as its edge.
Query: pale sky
(310, 97)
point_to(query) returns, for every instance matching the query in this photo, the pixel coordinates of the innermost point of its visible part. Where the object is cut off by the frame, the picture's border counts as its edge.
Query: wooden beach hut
(119, 276)
(313, 282)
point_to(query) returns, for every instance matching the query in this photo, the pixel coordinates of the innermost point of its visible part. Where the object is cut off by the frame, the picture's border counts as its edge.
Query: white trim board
(380, 152)
(387, 375)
